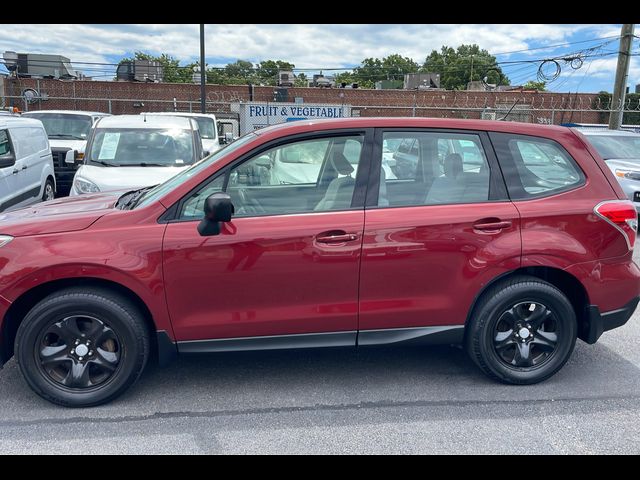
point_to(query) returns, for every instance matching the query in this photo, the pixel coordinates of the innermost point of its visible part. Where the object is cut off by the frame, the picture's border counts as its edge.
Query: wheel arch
(25, 302)
(561, 279)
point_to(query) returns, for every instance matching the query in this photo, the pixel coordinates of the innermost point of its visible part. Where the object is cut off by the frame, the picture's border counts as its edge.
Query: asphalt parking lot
(387, 400)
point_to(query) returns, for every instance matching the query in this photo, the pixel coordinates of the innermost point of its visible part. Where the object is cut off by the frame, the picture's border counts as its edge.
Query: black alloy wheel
(79, 352)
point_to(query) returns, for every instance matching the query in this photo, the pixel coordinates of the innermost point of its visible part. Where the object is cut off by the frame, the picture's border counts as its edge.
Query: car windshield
(64, 125)
(162, 189)
(128, 147)
(616, 146)
(207, 128)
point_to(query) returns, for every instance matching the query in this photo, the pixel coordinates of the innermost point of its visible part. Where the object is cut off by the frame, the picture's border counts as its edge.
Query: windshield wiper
(106, 164)
(132, 198)
(147, 164)
(65, 135)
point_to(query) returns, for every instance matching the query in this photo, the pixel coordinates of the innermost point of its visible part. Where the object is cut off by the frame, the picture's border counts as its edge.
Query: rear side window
(535, 167)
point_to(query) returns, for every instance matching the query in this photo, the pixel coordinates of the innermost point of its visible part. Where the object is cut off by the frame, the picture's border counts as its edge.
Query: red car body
(406, 269)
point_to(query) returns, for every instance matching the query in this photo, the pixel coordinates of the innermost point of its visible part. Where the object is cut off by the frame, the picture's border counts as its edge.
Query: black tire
(508, 347)
(121, 346)
(49, 191)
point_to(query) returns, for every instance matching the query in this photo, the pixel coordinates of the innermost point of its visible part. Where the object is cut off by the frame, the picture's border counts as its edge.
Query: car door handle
(15, 171)
(336, 236)
(491, 225)
(24, 167)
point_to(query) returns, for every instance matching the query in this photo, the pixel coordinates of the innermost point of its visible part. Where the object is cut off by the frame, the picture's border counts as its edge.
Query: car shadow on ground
(246, 382)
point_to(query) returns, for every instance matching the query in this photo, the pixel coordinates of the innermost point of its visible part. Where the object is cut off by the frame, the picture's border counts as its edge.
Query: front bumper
(598, 323)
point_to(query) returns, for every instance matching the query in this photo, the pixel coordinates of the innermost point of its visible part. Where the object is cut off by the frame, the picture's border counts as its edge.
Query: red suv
(512, 239)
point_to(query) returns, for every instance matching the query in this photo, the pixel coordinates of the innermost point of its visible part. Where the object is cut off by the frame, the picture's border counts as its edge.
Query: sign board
(256, 115)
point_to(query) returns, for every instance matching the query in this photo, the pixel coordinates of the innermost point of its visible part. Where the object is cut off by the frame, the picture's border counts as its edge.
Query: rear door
(6, 172)
(27, 181)
(434, 235)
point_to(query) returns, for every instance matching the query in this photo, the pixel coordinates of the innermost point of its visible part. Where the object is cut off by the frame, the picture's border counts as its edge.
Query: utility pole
(622, 72)
(471, 76)
(203, 73)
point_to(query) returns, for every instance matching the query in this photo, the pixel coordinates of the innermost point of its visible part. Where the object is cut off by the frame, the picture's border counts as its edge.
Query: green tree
(172, 71)
(533, 85)
(301, 80)
(393, 67)
(239, 72)
(457, 67)
(267, 70)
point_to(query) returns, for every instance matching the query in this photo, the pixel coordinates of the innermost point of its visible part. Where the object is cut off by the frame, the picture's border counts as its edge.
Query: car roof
(9, 121)
(301, 126)
(71, 112)
(182, 114)
(609, 133)
(146, 121)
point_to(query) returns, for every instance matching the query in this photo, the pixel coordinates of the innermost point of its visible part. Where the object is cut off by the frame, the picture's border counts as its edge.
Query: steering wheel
(249, 204)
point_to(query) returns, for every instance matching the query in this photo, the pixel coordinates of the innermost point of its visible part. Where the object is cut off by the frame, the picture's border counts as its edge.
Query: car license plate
(636, 196)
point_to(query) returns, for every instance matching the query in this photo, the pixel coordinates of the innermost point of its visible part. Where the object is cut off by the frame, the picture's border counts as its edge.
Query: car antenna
(512, 107)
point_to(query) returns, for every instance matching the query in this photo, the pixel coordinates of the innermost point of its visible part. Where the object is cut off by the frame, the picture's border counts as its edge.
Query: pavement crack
(309, 408)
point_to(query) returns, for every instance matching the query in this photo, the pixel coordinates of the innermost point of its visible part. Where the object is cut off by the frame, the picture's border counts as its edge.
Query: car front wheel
(522, 331)
(82, 347)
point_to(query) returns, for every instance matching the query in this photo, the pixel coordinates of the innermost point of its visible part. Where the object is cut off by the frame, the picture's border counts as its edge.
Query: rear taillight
(622, 215)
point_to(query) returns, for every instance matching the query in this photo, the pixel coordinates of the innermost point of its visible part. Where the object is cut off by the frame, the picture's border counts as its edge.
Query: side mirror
(228, 137)
(8, 160)
(72, 157)
(217, 208)
(205, 153)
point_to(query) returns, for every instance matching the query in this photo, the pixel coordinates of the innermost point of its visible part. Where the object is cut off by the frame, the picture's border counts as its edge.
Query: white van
(208, 126)
(26, 165)
(135, 151)
(68, 131)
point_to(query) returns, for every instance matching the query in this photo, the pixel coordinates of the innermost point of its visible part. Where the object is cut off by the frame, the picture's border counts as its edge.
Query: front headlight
(4, 239)
(84, 186)
(626, 173)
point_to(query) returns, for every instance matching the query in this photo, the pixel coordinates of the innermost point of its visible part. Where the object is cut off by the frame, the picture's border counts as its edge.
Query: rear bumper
(598, 323)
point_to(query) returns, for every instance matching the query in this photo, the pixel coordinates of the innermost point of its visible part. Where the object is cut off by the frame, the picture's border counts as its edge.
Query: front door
(288, 262)
(436, 231)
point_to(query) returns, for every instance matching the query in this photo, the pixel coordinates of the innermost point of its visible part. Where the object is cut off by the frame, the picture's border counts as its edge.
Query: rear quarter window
(534, 166)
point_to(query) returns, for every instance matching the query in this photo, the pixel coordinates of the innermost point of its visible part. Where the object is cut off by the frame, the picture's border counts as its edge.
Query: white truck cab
(68, 131)
(134, 151)
(208, 125)
(26, 166)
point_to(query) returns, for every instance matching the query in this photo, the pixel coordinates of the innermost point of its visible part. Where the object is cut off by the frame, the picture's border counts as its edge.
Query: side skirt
(398, 336)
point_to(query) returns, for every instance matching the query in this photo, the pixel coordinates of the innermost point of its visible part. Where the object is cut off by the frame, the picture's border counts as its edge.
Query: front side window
(430, 168)
(64, 126)
(142, 147)
(535, 166)
(297, 177)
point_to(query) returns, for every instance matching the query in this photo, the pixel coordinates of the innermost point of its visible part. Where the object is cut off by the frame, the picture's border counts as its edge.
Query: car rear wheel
(522, 331)
(49, 191)
(82, 347)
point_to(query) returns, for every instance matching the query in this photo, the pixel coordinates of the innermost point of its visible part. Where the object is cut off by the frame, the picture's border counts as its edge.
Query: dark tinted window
(535, 166)
(64, 125)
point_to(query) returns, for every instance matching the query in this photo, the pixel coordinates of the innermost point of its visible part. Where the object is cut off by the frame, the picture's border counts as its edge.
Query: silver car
(621, 152)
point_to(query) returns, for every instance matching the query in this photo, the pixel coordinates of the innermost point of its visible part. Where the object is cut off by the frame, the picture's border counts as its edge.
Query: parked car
(135, 151)
(511, 264)
(26, 166)
(621, 152)
(68, 131)
(208, 126)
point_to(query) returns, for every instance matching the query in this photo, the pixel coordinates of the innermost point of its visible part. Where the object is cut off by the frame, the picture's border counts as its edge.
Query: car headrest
(342, 164)
(452, 165)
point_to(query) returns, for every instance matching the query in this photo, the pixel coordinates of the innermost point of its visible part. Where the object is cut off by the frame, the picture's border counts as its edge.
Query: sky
(317, 47)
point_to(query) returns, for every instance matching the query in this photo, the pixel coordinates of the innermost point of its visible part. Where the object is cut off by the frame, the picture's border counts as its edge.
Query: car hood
(78, 145)
(61, 215)
(629, 163)
(126, 178)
